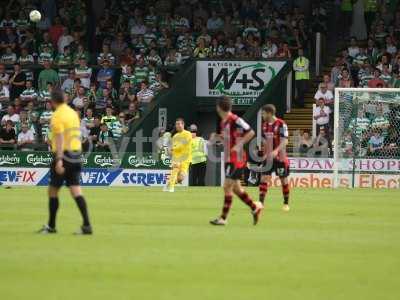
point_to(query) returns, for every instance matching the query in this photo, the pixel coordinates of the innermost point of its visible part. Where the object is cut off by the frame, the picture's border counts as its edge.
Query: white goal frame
(336, 124)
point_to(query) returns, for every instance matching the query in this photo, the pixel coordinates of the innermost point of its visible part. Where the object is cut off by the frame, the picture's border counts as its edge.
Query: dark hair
(225, 104)
(57, 96)
(180, 120)
(269, 108)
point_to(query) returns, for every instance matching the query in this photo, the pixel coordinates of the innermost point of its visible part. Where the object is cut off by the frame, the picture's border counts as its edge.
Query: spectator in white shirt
(181, 23)
(80, 100)
(270, 49)
(25, 138)
(145, 95)
(9, 57)
(68, 83)
(390, 46)
(214, 23)
(173, 59)
(376, 143)
(383, 61)
(7, 22)
(321, 115)
(64, 40)
(4, 94)
(353, 48)
(329, 84)
(11, 115)
(106, 55)
(4, 77)
(325, 94)
(139, 28)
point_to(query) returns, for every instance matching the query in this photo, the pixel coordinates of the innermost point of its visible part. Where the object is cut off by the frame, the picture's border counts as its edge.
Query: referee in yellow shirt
(66, 166)
(181, 155)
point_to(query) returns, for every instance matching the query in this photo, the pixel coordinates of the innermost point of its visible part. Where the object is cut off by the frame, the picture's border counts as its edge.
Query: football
(35, 16)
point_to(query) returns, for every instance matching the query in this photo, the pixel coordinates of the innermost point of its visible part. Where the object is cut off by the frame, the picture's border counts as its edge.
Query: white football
(35, 16)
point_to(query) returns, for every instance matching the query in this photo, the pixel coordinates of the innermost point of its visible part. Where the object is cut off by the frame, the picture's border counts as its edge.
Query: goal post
(366, 131)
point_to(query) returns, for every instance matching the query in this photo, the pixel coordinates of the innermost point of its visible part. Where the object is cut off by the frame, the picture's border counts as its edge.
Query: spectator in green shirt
(395, 82)
(141, 71)
(119, 127)
(109, 118)
(47, 75)
(80, 53)
(29, 94)
(46, 43)
(45, 55)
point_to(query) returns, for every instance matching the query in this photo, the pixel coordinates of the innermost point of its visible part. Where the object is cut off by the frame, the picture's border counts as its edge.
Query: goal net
(366, 142)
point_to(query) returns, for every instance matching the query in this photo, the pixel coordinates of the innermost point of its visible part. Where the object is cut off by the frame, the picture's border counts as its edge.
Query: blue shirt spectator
(105, 74)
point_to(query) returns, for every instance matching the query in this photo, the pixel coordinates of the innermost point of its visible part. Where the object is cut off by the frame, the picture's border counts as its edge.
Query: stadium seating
(105, 63)
(120, 61)
(368, 58)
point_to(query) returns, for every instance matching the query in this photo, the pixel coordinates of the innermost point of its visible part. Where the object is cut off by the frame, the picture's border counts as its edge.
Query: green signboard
(89, 160)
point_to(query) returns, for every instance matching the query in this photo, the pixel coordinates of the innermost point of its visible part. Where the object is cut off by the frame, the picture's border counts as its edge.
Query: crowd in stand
(373, 62)
(134, 47)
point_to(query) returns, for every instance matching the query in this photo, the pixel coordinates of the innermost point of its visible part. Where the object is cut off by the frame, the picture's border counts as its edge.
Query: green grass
(341, 244)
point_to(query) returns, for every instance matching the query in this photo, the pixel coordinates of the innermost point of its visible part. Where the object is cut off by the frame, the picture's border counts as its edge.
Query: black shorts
(231, 172)
(280, 168)
(72, 165)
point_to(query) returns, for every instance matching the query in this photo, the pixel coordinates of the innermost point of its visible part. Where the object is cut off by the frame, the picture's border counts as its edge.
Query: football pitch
(333, 244)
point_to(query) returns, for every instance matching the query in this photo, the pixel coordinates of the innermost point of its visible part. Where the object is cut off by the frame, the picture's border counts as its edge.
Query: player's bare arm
(281, 147)
(59, 153)
(243, 141)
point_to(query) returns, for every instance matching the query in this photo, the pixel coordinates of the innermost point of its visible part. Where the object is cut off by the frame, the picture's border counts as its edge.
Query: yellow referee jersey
(182, 146)
(66, 121)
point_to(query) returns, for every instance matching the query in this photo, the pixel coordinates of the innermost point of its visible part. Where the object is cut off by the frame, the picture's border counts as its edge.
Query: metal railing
(318, 54)
(314, 122)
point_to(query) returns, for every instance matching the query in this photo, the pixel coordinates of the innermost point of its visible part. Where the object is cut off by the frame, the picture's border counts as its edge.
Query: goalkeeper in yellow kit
(181, 155)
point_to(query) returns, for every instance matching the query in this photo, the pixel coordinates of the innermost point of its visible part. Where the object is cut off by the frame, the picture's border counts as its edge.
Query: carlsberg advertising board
(128, 160)
(243, 81)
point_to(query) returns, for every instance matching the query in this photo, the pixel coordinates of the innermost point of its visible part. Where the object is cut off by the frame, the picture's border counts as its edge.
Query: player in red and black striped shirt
(235, 133)
(275, 138)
